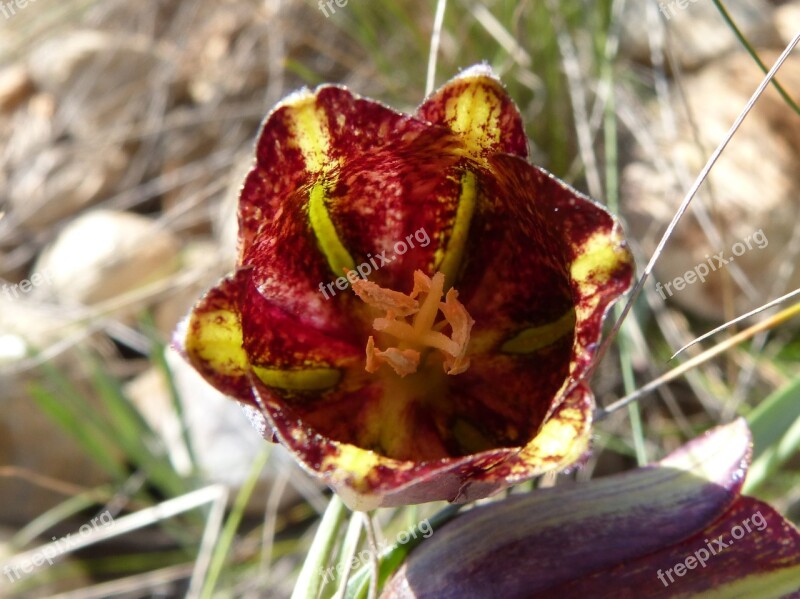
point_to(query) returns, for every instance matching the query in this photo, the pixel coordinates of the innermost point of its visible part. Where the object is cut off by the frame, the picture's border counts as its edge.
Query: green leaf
(775, 425)
(232, 524)
(392, 558)
(85, 431)
(309, 583)
(142, 446)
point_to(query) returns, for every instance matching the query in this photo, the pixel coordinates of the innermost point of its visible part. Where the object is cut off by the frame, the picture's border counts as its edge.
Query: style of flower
(455, 369)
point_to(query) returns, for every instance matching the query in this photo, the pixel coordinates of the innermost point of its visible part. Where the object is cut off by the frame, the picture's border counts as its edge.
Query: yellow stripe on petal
(454, 253)
(310, 379)
(600, 256)
(215, 339)
(562, 440)
(475, 113)
(560, 436)
(354, 462)
(532, 339)
(349, 471)
(309, 130)
(337, 256)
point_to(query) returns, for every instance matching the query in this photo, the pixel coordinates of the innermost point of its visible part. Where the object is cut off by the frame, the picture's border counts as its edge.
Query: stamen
(423, 333)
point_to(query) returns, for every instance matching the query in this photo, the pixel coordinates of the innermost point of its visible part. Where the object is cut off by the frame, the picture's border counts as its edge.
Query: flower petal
(534, 543)
(365, 479)
(476, 106)
(598, 262)
(211, 340)
(278, 340)
(310, 135)
(366, 188)
(514, 274)
(763, 562)
(397, 209)
(558, 444)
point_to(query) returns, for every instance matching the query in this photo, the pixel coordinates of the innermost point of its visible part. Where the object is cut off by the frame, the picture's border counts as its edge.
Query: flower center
(412, 321)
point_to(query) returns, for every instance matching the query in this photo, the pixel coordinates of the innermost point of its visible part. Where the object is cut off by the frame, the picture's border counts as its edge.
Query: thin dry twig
(730, 323)
(436, 38)
(769, 323)
(369, 527)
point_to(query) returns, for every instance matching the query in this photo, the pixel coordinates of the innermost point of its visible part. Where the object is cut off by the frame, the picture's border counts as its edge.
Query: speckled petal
(344, 187)
(381, 205)
(476, 106)
(559, 443)
(211, 339)
(306, 134)
(303, 144)
(599, 265)
(288, 356)
(366, 480)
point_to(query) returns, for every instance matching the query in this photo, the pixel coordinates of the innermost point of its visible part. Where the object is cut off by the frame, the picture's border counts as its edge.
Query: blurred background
(125, 132)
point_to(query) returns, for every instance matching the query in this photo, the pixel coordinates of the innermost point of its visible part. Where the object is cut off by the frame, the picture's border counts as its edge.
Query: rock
(15, 86)
(787, 20)
(756, 184)
(100, 80)
(61, 180)
(103, 254)
(695, 30)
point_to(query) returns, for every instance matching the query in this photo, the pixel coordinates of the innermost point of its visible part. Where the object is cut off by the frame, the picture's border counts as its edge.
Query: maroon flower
(479, 287)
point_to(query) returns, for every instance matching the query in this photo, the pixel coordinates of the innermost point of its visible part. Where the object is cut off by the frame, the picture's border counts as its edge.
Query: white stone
(104, 254)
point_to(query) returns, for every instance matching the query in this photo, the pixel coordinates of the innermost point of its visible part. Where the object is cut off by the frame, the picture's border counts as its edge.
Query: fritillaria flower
(413, 301)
